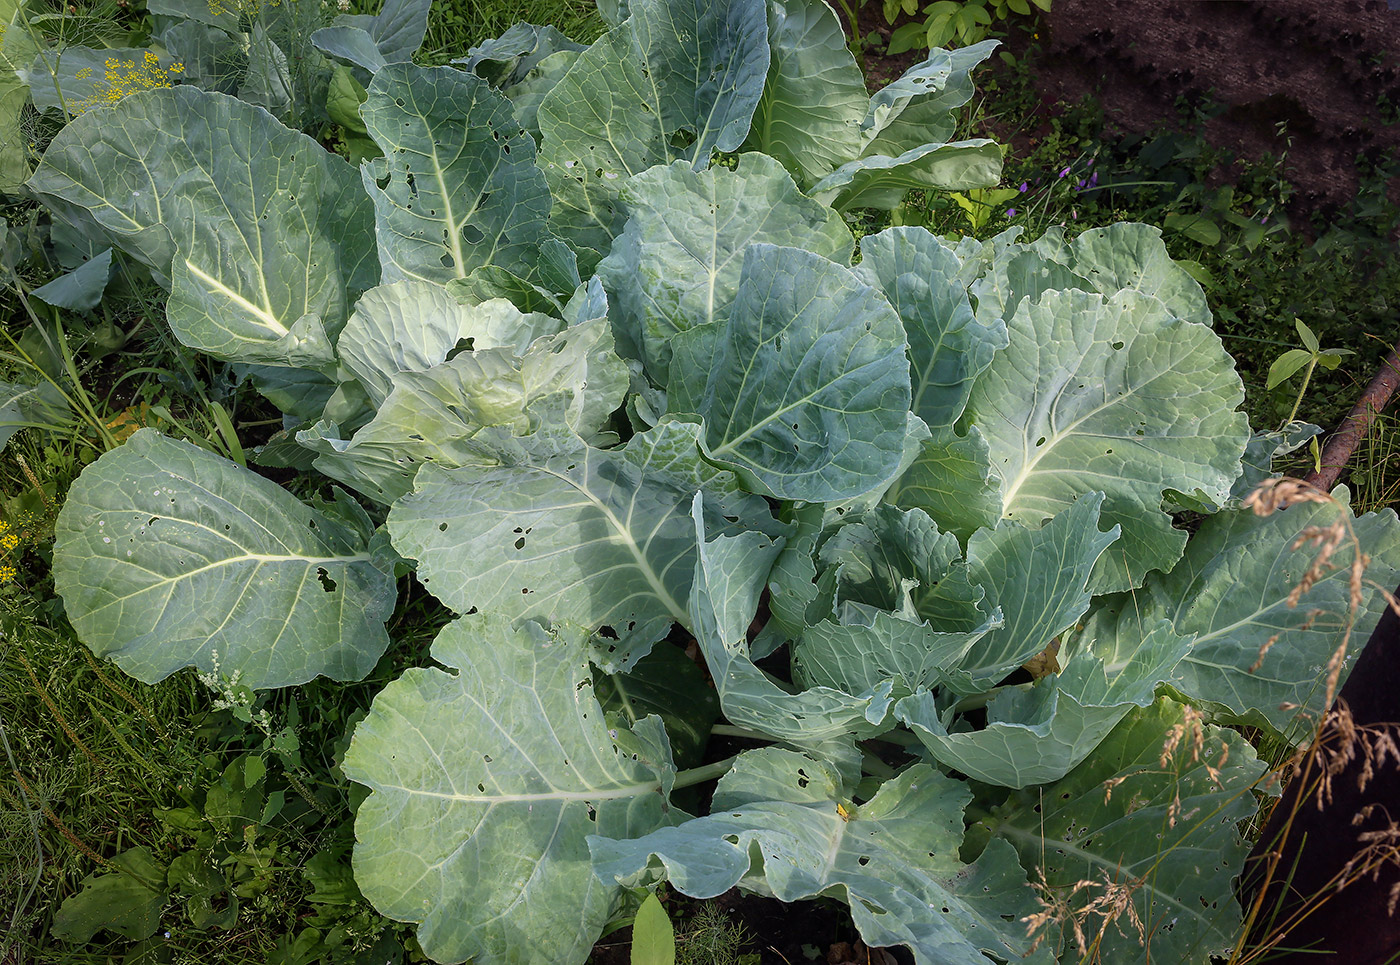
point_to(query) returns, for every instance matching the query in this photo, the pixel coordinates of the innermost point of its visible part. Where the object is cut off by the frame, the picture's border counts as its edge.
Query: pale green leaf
(1111, 394)
(808, 388)
(814, 100)
(1286, 365)
(1265, 447)
(81, 289)
(1310, 341)
(951, 479)
(167, 556)
(917, 108)
(265, 249)
(1231, 590)
(1037, 733)
(677, 265)
(1038, 578)
(862, 647)
(457, 188)
(672, 67)
(343, 100)
(1105, 260)
(411, 326)
(653, 938)
(730, 574)
(435, 414)
(1172, 843)
(881, 181)
(391, 36)
(1132, 256)
(475, 825)
(604, 536)
(894, 859)
(948, 346)
(507, 60)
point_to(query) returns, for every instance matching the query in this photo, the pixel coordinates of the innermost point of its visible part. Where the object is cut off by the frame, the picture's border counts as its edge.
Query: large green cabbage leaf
(893, 859)
(948, 346)
(1039, 579)
(560, 527)
(1111, 394)
(810, 115)
(674, 81)
(1037, 735)
(1257, 660)
(1171, 846)
(677, 265)
(475, 826)
(806, 384)
(265, 238)
(457, 187)
(168, 556)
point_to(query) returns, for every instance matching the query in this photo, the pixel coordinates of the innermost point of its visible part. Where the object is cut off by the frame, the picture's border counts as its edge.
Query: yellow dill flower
(9, 541)
(7, 573)
(85, 73)
(127, 77)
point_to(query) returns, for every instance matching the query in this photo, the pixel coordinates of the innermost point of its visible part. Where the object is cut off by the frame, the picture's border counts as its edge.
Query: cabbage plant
(593, 351)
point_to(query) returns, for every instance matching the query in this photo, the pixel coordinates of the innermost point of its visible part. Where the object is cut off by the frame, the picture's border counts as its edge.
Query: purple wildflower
(1011, 212)
(1093, 179)
(1025, 186)
(1065, 172)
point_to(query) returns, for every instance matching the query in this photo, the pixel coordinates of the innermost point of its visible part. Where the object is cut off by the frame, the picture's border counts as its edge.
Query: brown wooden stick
(1349, 434)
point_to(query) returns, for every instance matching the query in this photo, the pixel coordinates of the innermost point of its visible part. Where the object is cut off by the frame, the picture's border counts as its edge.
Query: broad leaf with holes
(168, 556)
(678, 264)
(894, 859)
(561, 527)
(672, 74)
(435, 416)
(457, 187)
(1115, 394)
(474, 827)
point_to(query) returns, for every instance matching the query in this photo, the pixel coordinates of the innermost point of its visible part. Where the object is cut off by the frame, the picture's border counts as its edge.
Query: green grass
(457, 25)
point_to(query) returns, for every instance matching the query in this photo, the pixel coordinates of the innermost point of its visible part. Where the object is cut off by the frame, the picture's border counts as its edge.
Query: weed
(712, 937)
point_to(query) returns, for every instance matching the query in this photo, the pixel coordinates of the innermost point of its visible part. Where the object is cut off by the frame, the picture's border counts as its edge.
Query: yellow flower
(9, 541)
(85, 73)
(127, 77)
(7, 573)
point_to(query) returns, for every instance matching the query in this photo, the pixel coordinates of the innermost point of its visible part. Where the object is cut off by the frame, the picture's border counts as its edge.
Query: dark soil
(1326, 72)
